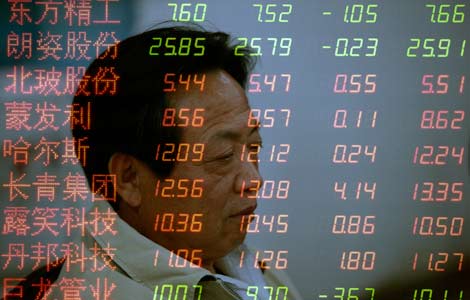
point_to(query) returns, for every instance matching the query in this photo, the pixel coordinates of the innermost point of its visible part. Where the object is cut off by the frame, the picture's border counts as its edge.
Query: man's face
(224, 134)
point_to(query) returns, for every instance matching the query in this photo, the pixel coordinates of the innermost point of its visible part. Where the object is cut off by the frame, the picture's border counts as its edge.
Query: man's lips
(247, 211)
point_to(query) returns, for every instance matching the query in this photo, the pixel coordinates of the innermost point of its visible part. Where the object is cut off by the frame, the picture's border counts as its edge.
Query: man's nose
(248, 181)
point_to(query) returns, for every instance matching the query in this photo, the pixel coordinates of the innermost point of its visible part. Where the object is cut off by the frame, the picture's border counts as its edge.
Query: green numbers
(275, 293)
(270, 13)
(252, 291)
(447, 13)
(278, 47)
(170, 291)
(187, 12)
(353, 293)
(429, 48)
(170, 46)
(360, 13)
(356, 47)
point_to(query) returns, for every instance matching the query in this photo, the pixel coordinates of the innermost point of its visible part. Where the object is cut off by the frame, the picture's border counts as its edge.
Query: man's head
(173, 133)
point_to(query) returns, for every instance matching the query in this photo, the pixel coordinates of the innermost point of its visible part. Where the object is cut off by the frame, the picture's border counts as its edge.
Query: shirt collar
(148, 263)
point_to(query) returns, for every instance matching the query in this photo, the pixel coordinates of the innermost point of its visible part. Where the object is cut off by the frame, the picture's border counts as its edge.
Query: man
(170, 129)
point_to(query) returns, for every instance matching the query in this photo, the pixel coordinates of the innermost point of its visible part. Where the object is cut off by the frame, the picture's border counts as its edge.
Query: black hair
(128, 119)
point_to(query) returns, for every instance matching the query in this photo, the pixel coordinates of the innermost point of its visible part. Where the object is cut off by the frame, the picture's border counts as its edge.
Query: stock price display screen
(234, 149)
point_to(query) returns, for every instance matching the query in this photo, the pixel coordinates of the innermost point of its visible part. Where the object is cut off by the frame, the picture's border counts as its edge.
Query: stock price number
(275, 292)
(442, 119)
(353, 224)
(269, 82)
(181, 222)
(357, 190)
(355, 84)
(269, 223)
(275, 153)
(431, 47)
(447, 13)
(183, 117)
(182, 152)
(267, 118)
(438, 84)
(438, 226)
(267, 189)
(360, 13)
(278, 47)
(182, 258)
(179, 188)
(271, 13)
(266, 259)
(342, 293)
(437, 155)
(167, 290)
(357, 260)
(183, 80)
(438, 262)
(350, 154)
(438, 191)
(358, 119)
(427, 294)
(188, 13)
(355, 47)
(171, 46)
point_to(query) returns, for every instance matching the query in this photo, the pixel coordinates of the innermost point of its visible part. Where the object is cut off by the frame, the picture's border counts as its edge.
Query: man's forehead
(220, 91)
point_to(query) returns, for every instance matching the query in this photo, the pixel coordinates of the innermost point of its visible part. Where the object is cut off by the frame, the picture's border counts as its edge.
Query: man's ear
(125, 168)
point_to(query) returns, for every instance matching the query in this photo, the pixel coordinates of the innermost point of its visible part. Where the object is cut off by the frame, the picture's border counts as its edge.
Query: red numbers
(438, 262)
(357, 189)
(355, 84)
(253, 223)
(442, 119)
(438, 226)
(185, 117)
(437, 155)
(268, 118)
(435, 85)
(267, 259)
(183, 80)
(357, 260)
(462, 85)
(170, 222)
(179, 188)
(182, 152)
(269, 82)
(354, 224)
(180, 258)
(269, 189)
(277, 153)
(350, 154)
(439, 84)
(355, 120)
(438, 191)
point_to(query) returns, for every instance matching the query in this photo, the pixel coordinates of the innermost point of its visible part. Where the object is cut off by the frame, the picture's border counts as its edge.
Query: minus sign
(326, 47)
(327, 13)
(322, 296)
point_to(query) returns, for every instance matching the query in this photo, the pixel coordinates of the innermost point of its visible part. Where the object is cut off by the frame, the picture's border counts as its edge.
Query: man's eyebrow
(235, 135)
